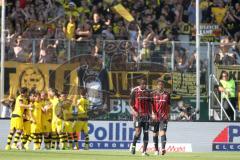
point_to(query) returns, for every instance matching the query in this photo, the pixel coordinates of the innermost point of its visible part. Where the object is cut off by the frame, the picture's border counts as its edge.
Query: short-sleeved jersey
(46, 116)
(141, 101)
(97, 27)
(37, 112)
(54, 102)
(66, 109)
(19, 110)
(161, 104)
(83, 105)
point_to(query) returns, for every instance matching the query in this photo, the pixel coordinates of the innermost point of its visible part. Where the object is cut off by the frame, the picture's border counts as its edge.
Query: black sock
(164, 141)
(145, 140)
(86, 139)
(155, 141)
(145, 144)
(135, 139)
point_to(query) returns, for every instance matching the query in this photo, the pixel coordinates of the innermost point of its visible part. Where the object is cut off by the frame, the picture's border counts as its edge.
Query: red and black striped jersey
(161, 104)
(141, 101)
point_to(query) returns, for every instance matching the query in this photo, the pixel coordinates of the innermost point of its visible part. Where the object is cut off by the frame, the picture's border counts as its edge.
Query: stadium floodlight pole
(2, 51)
(197, 57)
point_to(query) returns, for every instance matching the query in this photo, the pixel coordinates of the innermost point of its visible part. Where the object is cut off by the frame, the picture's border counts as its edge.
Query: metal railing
(220, 102)
(114, 54)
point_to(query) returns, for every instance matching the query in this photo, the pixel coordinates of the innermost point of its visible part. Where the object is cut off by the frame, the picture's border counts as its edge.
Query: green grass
(111, 155)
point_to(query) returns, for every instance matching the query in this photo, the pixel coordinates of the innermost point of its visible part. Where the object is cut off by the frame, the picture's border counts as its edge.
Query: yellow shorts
(68, 127)
(57, 125)
(36, 128)
(46, 126)
(16, 123)
(81, 126)
(27, 127)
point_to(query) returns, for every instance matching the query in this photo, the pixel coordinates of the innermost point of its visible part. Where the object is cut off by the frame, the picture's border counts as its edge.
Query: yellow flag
(121, 10)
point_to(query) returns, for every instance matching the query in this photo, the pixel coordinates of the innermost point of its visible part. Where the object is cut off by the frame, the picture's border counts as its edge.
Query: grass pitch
(112, 155)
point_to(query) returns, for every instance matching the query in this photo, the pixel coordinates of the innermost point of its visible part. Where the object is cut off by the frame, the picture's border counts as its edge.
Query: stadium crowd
(43, 30)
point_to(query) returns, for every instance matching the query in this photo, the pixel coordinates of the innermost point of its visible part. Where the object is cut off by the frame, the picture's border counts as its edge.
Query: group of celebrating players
(150, 111)
(46, 119)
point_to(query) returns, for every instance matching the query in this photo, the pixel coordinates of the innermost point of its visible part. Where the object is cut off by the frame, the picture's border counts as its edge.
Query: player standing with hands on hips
(140, 102)
(160, 115)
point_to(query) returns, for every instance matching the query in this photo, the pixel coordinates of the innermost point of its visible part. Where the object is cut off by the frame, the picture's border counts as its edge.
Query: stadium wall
(182, 136)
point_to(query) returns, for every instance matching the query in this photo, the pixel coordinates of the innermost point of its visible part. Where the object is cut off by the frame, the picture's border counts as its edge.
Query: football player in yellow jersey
(46, 120)
(82, 124)
(36, 127)
(16, 125)
(56, 122)
(27, 119)
(64, 111)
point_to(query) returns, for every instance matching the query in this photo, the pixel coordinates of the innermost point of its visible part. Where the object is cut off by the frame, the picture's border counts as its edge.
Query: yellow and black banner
(39, 76)
(185, 84)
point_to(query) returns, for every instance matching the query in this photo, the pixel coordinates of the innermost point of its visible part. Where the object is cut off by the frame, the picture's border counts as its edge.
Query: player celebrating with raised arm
(140, 102)
(16, 125)
(160, 115)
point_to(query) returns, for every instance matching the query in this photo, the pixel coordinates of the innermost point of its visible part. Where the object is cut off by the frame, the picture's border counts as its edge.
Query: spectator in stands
(47, 47)
(178, 11)
(230, 25)
(181, 60)
(205, 6)
(84, 34)
(97, 27)
(56, 11)
(97, 24)
(107, 33)
(218, 11)
(70, 28)
(133, 31)
(227, 88)
(71, 9)
(20, 50)
(17, 18)
(145, 53)
(44, 55)
(119, 31)
(192, 13)
(225, 55)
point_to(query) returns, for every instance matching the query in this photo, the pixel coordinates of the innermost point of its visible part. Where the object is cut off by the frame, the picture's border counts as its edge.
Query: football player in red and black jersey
(140, 102)
(160, 115)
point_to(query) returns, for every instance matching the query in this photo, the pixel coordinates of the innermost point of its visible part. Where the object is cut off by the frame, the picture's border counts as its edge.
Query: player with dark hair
(82, 125)
(46, 119)
(66, 135)
(27, 122)
(63, 127)
(160, 115)
(36, 127)
(16, 125)
(140, 102)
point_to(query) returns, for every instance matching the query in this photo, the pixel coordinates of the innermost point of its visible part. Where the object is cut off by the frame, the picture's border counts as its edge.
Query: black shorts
(142, 122)
(159, 125)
